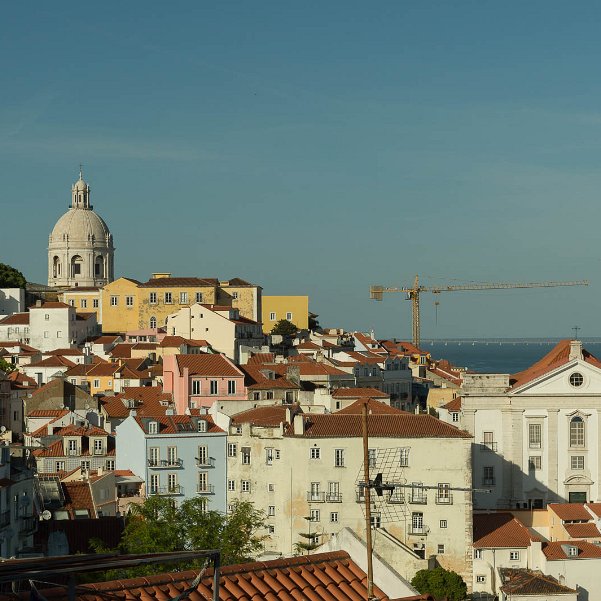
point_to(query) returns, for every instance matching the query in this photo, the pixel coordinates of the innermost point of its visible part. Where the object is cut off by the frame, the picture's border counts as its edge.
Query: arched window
(153, 323)
(56, 267)
(76, 265)
(577, 432)
(99, 267)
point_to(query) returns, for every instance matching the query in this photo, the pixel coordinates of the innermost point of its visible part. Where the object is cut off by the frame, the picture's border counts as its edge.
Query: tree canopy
(159, 525)
(441, 584)
(11, 277)
(284, 328)
(5, 366)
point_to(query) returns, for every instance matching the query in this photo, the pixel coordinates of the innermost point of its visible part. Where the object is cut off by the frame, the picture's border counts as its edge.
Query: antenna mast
(367, 493)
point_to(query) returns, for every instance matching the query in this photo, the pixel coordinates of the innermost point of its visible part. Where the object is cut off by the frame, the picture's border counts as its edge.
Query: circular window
(576, 379)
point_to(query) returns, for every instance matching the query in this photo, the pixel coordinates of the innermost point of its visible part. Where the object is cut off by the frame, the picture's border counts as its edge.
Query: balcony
(73, 452)
(165, 463)
(205, 489)
(488, 446)
(488, 481)
(418, 498)
(205, 462)
(316, 497)
(396, 497)
(446, 499)
(417, 530)
(162, 491)
(99, 452)
(5, 519)
(334, 497)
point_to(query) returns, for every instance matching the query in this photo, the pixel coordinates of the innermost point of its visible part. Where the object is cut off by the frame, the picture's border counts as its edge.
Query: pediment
(565, 380)
(578, 479)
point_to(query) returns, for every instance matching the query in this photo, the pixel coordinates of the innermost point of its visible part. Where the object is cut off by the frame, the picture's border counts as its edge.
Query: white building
(297, 466)
(222, 327)
(80, 247)
(12, 300)
(537, 433)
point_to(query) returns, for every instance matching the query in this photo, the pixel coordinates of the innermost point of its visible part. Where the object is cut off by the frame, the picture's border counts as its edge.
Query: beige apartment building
(305, 472)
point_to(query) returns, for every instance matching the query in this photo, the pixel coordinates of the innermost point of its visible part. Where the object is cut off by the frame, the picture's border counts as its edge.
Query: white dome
(80, 184)
(81, 225)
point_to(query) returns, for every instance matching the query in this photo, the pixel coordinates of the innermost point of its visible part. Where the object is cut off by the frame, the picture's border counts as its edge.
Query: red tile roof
(262, 358)
(308, 346)
(65, 352)
(55, 361)
(176, 424)
(555, 358)
(374, 408)
(588, 530)
(21, 379)
(105, 339)
(310, 368)
(529, 582)
(178, 282)
(48, 413)
(256, 380)
(570, 511)
(319, 577)
(51, 305)
(204, 364)
(500, 530)
(122, 350)
(454, 406)
(16, 319)
(273, 415)
(78, 495)
(560, 550)
(402, 425)
(595, 508)
(150, 401)
(357, 393)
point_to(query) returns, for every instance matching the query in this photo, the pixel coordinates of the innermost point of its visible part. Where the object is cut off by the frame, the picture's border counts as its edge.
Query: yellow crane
(413, 294)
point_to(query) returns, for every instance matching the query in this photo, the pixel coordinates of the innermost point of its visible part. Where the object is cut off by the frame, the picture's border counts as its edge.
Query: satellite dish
(46, 515)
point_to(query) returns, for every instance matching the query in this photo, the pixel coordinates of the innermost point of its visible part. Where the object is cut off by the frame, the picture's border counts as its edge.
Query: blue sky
(317, 148)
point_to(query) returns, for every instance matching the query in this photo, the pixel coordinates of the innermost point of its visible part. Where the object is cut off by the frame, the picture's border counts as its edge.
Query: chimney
(160, 275)
(299, 424)
(38, 303)
(575, 350)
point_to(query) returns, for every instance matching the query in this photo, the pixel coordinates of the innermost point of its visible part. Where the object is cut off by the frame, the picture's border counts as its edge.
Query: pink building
(199, 380)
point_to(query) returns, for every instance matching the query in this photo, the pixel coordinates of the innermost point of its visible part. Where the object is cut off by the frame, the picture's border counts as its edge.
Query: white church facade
(536, 433)
(80, 247)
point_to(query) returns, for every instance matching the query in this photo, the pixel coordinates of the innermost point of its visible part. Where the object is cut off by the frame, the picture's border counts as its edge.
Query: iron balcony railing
(205, 489)
(165, 463)
(488, 481)
(446, 499)
(205, 461)
(176, 489)
(316, 497)
(334, 497)
(488, 446)
(419, 498)
(419, 530)
(396, 497)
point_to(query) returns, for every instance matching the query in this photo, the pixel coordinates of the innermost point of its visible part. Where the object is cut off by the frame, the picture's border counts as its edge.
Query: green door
(577, 497)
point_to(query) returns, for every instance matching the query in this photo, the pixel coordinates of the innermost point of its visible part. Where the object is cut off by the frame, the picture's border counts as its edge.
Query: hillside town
(116, 391)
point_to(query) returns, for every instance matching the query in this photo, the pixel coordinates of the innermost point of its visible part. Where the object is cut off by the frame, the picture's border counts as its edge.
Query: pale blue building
(179, 456)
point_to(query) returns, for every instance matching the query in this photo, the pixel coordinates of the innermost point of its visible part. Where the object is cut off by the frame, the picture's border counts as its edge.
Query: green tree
(440, 583)
(11, 277)
(5, 366)
(284, 328)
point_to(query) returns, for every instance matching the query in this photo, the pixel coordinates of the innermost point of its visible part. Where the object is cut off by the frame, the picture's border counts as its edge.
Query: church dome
(80, 184)
(80, 225)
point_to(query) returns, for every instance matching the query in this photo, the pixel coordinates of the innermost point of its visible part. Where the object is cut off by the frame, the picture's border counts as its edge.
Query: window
(85, 465)
(154, 484)
(84, 303)
(338, 457)
(213, 386)
(203, 482)
(443, 524)
(573, 551)
(203, 455)
(73, 447)
(477, 553)
(334, 516)
(245, 486)
(153, 428)
(315, 453)
(114, 301)
(272, 316)
(195, 386)
(269, 395)
(576, 379)
(183, 298)
(96, 383)
(172, 482)
(480, 579)
(334, 495)
(172, 455)
(231, 387)
(443, 493)
(72, 303)
(271, 487)
(235, 295)
(514, 555)
(109, 465)
(59, 334)
(440, 549)
(152, 298)
(256, 396)
(129, 301)
(95, 303)
(315, 515)
(289, 316)
(577, 432)
(418, 493)
(534, 462)
(271, 510)
(417, 522)
(199, 297)
(315, 493)
(404, 457)
(98, 446)
(232, 449)
(153, 323)
(168, 298)
(535, 436)
(271, 529)
(371, 457)
(154, 456)
(455, 416)
(245, 453)
(488, 475)
(231, 485)
(60, 466)
(202, 425)
(269, 456)
(577, 462)
(46, 316)
(46, 334)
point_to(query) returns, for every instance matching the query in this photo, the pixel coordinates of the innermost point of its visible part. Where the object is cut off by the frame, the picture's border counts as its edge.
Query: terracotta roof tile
(262, 358)
(570, 511)
(402, 425)
(48, 413)
(122, 350)
(65, 352)
(207, 365)
(255, 379)
(310, 368)
(595, 508)
(560, 550)
(357, 393)
(56, 361)
(319, 577)
(20, 379)
(374, 408)
(588, 530)
(151, 400)
(531, 582)
(106, 339)
(454, 405)
(273, 415)
(16, 319)
(555, 358)
(500, 530)
(78, 495)
(176, 424)
(51, 305)
(179, 282)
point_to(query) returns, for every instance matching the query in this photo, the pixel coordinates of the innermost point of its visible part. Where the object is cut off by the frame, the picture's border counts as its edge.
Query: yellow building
(84, 299)
(293, 308)
(132, 305)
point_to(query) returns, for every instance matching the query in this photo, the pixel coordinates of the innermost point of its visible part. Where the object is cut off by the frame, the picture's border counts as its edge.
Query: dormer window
(153, 428)
(573, 551)
(202, 425)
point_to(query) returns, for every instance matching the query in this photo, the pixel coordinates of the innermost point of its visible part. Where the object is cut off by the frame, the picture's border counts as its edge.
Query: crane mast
(413, 294)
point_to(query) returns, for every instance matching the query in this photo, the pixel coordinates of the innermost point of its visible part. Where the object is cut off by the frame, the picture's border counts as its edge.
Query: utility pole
(367, 494)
